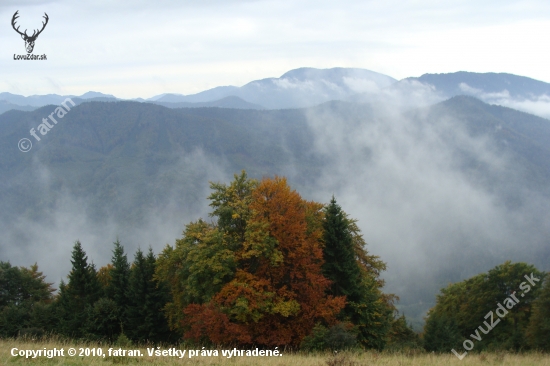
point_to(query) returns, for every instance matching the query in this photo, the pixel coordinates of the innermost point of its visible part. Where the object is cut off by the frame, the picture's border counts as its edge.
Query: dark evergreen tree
(95, 289)
(137, 296)
(340, 263)
(119, 273)
(147, 298)
(354, 274)
(12, 319)
(77, 297)
(42, 317)
(105, 322)
(441, 334)
(117, 287)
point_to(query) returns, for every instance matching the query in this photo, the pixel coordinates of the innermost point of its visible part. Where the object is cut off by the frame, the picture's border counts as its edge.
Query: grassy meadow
(341, 359)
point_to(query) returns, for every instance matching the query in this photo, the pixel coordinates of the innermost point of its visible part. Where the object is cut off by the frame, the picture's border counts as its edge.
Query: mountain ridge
(471, 83)
(304, 87)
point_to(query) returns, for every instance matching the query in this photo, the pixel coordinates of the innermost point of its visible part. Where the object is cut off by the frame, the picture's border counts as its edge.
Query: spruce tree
(156, 301)
(137, 295)
(354, 274)
(339, 254)
(147, 298)
(77, 297)
(118, 284)
(95, 289)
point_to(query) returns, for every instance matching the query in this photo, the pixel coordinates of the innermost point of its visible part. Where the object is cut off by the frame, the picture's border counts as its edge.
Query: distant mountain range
(225, 102)
(307, 87)
(7, 106)
(298, 88)
(42, 100)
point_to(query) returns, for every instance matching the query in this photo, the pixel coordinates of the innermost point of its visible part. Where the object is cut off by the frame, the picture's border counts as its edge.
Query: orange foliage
(207, 321)
(279, 293)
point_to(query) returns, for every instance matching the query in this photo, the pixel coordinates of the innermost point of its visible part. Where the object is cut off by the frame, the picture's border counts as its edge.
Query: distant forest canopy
(269, 269)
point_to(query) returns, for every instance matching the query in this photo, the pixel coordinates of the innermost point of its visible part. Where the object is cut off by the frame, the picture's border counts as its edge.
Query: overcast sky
(143, 48)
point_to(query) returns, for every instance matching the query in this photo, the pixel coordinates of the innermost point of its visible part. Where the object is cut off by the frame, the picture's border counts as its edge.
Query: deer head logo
(29, 40)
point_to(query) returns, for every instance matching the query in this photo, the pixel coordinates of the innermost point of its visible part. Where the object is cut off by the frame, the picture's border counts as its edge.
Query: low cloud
(414, 184)
(48, 239)
(538, 105)
(361, 85)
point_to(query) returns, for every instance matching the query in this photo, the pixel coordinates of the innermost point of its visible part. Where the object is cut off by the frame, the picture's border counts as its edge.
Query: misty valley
(239, 207)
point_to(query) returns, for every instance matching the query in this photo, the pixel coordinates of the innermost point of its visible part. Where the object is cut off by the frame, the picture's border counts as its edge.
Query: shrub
(337, 337)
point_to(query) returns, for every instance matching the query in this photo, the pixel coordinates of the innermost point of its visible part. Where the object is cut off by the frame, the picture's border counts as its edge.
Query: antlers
(43, 25)
(15, 16)
(35, 34)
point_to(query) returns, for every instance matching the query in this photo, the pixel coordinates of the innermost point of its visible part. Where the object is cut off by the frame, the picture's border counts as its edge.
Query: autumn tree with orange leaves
(253, 276)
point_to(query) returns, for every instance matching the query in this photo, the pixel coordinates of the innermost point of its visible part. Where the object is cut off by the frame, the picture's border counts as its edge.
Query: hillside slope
(441, 193)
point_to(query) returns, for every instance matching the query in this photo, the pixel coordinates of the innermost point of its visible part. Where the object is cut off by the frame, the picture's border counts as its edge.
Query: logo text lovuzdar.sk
(29, 40)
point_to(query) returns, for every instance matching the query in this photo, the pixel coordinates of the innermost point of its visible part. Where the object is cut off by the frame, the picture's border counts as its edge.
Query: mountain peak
(305, 73)
(93, 94)
(484, 85)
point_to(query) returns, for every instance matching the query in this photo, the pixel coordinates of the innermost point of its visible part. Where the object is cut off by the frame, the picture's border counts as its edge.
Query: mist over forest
(445, 179)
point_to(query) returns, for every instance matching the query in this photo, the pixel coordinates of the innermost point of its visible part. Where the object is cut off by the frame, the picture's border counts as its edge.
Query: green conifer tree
(340, 264)
(77, 297)
(118, 285)
(355, 275)
(145, 317)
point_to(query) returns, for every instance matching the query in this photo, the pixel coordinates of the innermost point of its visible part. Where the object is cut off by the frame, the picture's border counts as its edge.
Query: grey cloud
(535, 104)
(433, 221)
(48, 239)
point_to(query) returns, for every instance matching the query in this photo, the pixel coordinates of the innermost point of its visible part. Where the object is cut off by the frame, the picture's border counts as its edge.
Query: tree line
(92, 305)
(506, 308)
(268, 269)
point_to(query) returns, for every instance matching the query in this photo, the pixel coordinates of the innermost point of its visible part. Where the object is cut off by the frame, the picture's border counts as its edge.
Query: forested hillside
(458, 185)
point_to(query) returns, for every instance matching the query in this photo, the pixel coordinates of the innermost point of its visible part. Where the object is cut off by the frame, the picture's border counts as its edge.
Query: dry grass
(341, 359)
